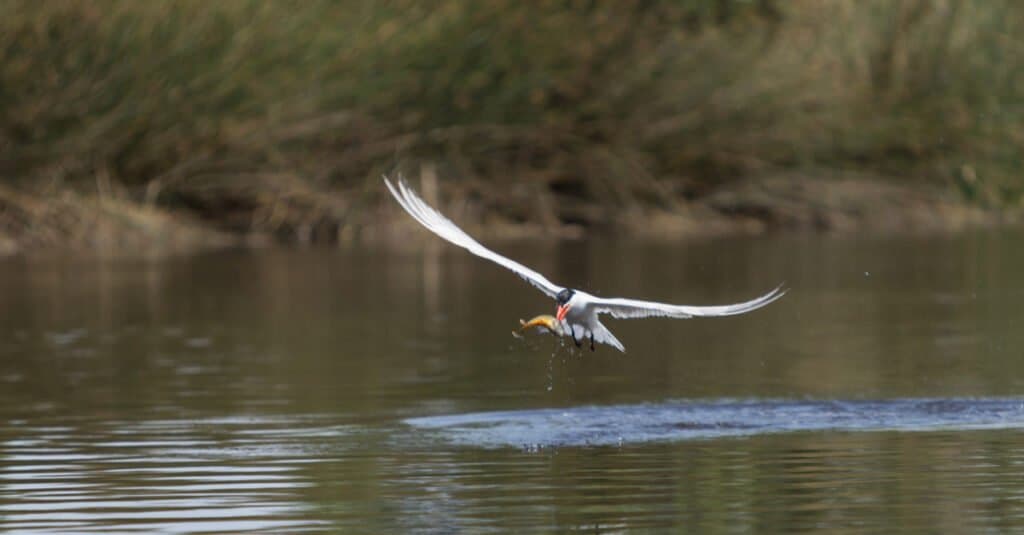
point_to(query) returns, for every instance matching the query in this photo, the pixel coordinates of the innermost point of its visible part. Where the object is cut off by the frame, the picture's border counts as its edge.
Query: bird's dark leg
(591, 341)
(572, 330)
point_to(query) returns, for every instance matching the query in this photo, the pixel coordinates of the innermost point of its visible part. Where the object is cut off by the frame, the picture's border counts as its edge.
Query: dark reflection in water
(382, 391)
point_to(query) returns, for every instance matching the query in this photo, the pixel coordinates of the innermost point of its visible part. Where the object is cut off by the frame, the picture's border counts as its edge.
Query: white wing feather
(634, 308)
(443, 227)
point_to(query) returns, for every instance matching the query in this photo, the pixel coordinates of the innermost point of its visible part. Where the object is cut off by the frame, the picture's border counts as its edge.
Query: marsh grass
(280, 116)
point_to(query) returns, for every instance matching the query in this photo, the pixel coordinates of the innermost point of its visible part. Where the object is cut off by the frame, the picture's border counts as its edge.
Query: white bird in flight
(577, 310)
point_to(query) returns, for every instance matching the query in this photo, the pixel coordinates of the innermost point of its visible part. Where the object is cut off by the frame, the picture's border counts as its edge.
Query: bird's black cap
(564, 296)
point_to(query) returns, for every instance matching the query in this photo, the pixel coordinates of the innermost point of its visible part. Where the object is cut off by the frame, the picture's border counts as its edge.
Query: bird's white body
(577, 310)
(581, 321)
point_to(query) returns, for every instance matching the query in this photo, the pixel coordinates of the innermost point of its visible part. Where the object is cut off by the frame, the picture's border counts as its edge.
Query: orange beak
(562, 311)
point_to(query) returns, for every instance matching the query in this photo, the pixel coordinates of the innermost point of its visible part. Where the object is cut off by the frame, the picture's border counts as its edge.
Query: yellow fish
(545, 321)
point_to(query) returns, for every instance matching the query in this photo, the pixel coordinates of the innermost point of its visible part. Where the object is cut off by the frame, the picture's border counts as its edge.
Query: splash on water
(689, 420)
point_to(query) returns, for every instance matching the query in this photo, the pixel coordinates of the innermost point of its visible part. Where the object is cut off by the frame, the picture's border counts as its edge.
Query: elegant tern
(577, 310)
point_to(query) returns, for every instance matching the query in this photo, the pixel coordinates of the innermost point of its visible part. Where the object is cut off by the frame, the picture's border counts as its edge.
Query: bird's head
(562, 299)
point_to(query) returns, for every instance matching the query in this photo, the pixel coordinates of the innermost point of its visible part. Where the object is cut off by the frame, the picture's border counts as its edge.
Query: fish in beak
(543, 321)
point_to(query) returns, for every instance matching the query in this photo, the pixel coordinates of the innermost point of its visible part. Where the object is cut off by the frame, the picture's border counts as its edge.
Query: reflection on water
(182, 476)
(381, 391)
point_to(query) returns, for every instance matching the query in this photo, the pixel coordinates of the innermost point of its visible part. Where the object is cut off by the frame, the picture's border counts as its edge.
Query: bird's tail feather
(604, 336)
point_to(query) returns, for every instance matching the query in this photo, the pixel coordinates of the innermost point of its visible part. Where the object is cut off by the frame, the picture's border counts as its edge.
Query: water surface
(371, 390)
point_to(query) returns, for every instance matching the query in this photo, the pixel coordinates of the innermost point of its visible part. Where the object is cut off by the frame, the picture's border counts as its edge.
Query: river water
(381, 390)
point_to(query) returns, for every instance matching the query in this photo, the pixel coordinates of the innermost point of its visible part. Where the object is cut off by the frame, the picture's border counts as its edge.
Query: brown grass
(279, 117)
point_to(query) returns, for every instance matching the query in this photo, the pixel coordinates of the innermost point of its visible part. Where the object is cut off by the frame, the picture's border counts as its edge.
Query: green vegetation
(281, 115)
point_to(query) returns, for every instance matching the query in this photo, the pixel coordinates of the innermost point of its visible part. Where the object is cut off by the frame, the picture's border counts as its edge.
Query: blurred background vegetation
(281, 116)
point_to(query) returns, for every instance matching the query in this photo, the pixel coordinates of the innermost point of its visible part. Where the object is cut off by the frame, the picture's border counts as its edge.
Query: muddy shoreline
(69, 221)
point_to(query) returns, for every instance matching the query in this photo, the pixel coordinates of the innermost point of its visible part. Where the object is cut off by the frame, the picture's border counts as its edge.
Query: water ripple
(688, 420)
(168, 476)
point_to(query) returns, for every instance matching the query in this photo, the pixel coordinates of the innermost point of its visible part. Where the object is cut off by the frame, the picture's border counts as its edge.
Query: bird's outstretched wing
(634, 308)
(443, 227)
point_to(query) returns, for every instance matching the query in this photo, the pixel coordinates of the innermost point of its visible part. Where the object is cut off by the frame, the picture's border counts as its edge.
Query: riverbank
(69, 221)
(123, 121)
